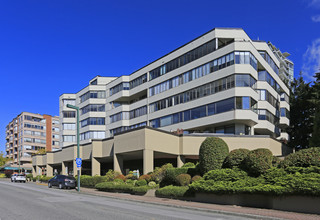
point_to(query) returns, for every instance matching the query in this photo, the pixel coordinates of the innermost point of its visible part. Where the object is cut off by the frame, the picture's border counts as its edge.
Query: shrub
(258, 161)
(122, 177)
(235, 158)
(45, 179)
(225, 175)
(130, 181)
(118, 181)
(2, 175)
(114, 187)
(142, 182)
(275, 161)
(159, 173)
(302, 158)
(29, 176)
(194, 171)
(189, 165)
(140, 190)
(110, 175)
(196, 178)
(212, 153)
(86, 180)
(152, 184)
(172, 191)
(145, 177)
(170, 176)
(183, 179)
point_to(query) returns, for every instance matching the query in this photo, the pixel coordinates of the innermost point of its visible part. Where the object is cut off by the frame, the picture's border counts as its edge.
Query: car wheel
(24, 181)
(60, 186)
(49, 185)
(11, 180)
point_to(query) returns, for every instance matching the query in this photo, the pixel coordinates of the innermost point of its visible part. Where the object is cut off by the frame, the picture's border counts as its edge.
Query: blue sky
(52, 47)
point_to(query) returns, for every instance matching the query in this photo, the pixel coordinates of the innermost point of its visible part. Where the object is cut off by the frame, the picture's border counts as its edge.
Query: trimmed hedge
(189, 165)
(172, 191)
(196, 178)
(258, 161)
(302, 158)
(91, 181)
(142, 182)
(170, 176)
(236, 158)
(274, 181)
(213, 151)
(145, 177)
(123, 188)
(183, 179)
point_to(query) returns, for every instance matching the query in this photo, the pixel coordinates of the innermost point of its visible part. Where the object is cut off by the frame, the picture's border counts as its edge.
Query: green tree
(301, 114)
(3, 159)
(315, 139)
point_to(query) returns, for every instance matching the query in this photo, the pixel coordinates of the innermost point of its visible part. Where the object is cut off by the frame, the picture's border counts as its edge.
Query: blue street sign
(78, 162)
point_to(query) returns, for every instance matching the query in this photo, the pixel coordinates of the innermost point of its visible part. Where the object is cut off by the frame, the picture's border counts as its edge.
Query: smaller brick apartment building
(27, 133)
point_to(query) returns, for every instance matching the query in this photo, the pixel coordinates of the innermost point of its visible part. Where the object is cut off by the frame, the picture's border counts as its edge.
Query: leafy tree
(3, 159)
(315, 139)
(301, 114)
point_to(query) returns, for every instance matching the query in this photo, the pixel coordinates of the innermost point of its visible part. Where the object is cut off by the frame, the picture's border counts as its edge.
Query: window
(69, 114)
(92, 95)
(69, 138)
(92, 135)
(69, 126)
(69, 101)
(92, 121)
(93, 108)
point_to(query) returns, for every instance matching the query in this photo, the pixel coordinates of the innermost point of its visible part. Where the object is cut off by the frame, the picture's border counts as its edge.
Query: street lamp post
(78, 141)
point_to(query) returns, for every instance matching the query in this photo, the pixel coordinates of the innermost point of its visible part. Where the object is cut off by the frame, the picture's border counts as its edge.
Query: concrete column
(252, 130)
(64, 171)
(49, 170)
(95, 167)
(180, 161)
(147, 161)
(34, 172)
(118, 163)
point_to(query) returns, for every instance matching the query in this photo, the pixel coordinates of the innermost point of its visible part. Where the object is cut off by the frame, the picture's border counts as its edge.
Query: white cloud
(315, 18)
(314, 4)
(311, 60)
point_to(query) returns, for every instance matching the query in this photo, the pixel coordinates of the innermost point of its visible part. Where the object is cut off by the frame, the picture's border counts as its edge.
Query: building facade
(221, 82)
(28, 133)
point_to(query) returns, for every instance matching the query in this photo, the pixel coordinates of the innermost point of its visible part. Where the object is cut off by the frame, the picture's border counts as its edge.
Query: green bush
(140, 190)
(189, 165)
(213, 151)
(45, 179)
(142, 182)
(225, 175)
(130, 181)
(274, 181)
(258, 161)
(114, 187)
(235, 158)
(194, 171)
(159, 173)
(172, 191)
(170, 176)
(118, 180)
(183, 179)
(29, 176)
(2, 175)
(152, 184)
(302, 158)
(196, 178)
(110, 175)
(91, 181)
(275, 161)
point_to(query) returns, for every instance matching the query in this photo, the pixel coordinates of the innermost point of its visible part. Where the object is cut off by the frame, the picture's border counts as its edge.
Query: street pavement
(36, 201)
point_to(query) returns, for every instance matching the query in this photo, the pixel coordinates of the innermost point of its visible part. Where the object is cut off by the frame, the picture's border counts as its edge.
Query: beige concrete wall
(86, 152)
(131, 141)
(161, 142)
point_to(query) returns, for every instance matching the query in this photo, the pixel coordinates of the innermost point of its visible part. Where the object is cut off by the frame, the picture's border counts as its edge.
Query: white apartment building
(221, 82)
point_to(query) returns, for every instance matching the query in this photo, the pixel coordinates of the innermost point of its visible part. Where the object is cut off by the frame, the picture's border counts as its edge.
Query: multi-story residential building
(286, 65)
(221, 82)
(28, 133)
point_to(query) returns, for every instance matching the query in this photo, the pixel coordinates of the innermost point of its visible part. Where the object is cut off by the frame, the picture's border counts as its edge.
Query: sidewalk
(225, 209)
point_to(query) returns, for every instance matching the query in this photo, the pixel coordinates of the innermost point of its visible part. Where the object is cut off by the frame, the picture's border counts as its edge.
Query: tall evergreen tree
(315, 139)
(301, 112)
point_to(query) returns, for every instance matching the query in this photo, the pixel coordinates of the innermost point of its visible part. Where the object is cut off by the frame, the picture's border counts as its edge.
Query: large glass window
(93, 108)
(93, 95)
(69, 126)
(69, 114)
(69, 138)
(92, 121)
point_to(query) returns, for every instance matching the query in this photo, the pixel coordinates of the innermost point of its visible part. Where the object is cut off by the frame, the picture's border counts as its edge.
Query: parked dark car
(62, 181)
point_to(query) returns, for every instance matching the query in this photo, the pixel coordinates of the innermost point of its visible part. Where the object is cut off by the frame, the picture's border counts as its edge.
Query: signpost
(78, 144)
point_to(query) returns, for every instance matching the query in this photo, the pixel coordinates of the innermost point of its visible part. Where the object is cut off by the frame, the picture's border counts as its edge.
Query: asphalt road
(31, 201)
